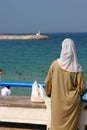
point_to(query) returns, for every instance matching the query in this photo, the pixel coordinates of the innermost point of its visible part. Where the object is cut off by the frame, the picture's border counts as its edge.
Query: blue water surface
(29, 60)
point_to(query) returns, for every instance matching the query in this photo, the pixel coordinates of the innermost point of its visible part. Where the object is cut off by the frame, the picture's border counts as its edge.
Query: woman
(64, 84)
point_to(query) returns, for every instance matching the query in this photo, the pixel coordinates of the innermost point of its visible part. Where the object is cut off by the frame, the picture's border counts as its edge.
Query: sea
(29, 60)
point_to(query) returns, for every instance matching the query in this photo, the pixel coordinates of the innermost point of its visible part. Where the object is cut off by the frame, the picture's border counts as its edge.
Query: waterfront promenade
(19, 113)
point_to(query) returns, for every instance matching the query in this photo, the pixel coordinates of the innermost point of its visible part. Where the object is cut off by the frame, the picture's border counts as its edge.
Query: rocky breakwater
(22, 37)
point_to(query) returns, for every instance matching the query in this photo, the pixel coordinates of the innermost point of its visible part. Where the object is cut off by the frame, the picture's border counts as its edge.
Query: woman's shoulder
(54, 63)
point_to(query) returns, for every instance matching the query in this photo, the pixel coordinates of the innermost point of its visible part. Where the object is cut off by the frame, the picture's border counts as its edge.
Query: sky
(30, 16)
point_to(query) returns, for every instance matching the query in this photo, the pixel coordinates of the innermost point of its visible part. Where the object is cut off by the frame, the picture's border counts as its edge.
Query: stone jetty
(23, 37)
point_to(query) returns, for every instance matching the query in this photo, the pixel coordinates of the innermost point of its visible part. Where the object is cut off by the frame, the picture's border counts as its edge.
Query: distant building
(38, 34)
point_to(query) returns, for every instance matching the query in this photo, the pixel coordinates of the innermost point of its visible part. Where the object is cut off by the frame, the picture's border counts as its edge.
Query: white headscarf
(68, 59)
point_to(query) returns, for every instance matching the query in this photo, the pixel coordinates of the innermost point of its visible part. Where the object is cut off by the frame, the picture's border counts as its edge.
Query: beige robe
(65, 89)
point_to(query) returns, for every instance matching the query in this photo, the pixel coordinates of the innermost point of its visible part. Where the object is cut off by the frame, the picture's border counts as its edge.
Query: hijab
(68, 58)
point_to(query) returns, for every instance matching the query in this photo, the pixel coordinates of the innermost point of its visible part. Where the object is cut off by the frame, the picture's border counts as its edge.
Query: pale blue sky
(29, 16)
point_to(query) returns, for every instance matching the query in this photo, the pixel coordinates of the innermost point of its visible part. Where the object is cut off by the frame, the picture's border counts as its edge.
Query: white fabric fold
(68, 58)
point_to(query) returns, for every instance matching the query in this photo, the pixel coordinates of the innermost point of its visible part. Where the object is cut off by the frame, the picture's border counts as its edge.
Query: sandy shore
(23, 37)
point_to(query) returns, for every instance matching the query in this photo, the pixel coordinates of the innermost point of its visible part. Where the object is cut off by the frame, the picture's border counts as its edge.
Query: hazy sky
(30, 16)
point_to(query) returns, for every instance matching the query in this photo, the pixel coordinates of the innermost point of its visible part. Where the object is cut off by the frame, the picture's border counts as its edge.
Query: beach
(29, 60)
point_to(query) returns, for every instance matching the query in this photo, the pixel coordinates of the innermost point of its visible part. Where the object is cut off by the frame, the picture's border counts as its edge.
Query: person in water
(64, 84)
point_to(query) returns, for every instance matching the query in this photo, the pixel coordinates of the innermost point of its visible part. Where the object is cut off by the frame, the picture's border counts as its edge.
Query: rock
(22, 37)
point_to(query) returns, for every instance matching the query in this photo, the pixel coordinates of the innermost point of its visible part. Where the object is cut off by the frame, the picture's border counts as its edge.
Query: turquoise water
(29, 60)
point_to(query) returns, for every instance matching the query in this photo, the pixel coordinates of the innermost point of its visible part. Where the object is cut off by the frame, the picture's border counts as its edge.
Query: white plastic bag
(36, 94)
(35, 89)
(41, 91)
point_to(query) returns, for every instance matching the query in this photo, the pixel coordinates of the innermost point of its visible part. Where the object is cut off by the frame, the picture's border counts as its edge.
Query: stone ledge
(19, 101)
